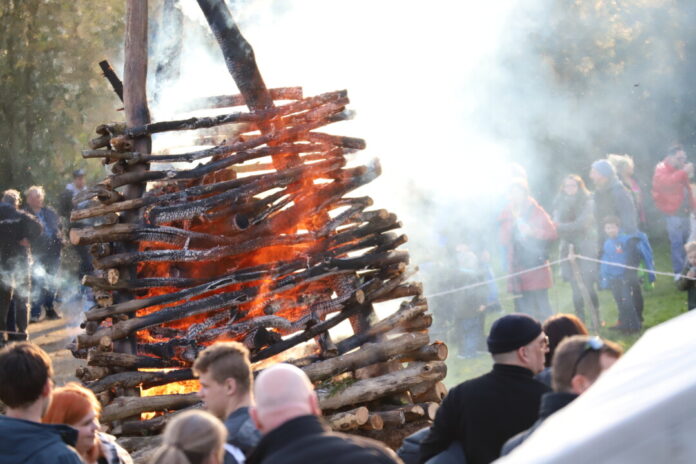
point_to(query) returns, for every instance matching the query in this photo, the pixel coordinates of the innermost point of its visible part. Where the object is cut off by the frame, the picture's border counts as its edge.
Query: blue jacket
(26, 442)
(615, 251)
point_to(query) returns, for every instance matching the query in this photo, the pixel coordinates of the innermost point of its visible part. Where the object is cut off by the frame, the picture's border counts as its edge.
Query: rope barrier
(532, 269)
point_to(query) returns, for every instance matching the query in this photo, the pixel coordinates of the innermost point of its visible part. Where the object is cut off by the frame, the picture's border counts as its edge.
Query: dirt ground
(54, 336)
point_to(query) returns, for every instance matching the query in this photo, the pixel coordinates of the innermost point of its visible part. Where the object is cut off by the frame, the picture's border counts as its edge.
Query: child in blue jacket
(620, 250)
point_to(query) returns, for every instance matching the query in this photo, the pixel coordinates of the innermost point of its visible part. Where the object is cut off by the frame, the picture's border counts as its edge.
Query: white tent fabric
(642, 410)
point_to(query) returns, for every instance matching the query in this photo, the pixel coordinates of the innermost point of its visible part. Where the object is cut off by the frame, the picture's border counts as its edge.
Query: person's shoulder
(366, 447)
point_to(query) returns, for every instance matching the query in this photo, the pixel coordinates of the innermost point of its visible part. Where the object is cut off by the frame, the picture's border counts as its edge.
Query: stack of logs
(256, 240)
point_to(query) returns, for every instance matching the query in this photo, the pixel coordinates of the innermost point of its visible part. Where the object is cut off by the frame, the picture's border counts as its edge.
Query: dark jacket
(305, 440)
(25, 442)
(484, 412)
(241, 433)
(15, 226)
(50, 242)
(686, 284)
(550, 403)
(615, 200)
(574, 219)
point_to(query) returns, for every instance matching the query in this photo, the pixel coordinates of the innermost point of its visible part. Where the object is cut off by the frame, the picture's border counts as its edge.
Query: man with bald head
(287, 414)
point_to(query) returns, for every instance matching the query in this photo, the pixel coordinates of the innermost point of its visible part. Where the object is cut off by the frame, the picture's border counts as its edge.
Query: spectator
(573, 216)
(26, 389)
(687, 280)
(78, 407)
(482, 413)
(224, 373)
(193, 437)
(469, 304)
(557, 328)
(578, 363)
(287, 414)
(18, 229)
(526, 233)
(621, 280)
(625, 167)
(673, 197)
(611, 198)
(65, 201)
(46, 256)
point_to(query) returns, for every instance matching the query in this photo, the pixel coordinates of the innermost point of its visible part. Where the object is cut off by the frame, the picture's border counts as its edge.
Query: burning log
(224, 101)
(127, 406)
(132, 379)
(130, 361)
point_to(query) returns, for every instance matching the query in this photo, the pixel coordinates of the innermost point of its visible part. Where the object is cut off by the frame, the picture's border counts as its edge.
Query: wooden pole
(594, 312)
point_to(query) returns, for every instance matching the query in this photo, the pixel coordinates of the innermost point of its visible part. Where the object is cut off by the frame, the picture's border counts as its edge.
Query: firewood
(127, 406)
(411, 412)
(427, 392)
(394, 436)
(90, 373)
(224, 101)
(406, 290)
(130, 361)
(150, 426)
(348, 420)
(416, 324)
(369, 353)
(394, 418)
(371, 389)
(374, 422)
(131, 379)
(113, 79)
(103, 298)
(436, 352)
(430, 409)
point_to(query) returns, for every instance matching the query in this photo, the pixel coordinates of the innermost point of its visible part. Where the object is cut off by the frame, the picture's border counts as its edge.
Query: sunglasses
(593, 344)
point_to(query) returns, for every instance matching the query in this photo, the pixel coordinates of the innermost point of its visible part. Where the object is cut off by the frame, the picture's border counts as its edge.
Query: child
(625, 250)
(687, 280)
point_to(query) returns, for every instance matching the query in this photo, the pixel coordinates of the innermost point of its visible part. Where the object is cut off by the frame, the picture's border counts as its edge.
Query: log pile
(258, 240)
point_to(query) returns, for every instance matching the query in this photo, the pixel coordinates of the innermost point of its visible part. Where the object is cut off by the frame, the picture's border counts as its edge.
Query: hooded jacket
(671, 190)
(26, 442)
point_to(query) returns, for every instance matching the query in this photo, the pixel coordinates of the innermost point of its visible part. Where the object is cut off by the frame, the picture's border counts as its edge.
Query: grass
(662, 303)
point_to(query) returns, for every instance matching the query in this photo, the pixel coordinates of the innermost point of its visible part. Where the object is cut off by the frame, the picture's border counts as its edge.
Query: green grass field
(663, 302)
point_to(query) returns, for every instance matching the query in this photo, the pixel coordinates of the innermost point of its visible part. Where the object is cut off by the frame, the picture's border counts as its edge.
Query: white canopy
(642, 410)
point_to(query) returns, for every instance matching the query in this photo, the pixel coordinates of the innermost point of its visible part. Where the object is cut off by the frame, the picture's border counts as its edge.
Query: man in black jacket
(26, 388)
(287, 411)
(17, 230)
(577, 364)
(482, 413)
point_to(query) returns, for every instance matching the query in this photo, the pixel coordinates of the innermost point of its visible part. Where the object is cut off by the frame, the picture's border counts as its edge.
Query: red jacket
(669, 187)
(542, 231)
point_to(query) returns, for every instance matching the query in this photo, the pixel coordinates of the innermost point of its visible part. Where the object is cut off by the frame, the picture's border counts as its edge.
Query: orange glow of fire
(185, 386)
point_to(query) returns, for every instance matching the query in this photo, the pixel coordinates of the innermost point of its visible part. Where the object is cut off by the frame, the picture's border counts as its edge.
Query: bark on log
(113, 79)
(130, 361)
(430, 409)
(392, 418)
(150, 426)
(371, 389)
(139, 379)
(393, 437)
(225, 101)
(348, 420)
(428, 392)
(127, 406)
(416, 324)
(90, 373)
(370, 353)
(374, 422)
(435, 352)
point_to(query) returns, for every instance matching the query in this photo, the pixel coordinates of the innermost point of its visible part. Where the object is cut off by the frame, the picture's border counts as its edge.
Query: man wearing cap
(482, 413)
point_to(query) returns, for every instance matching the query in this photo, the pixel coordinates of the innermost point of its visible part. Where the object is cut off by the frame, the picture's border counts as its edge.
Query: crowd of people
(33, 239)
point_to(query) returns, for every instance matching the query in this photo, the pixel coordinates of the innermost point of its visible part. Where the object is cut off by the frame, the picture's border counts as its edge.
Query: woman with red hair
(78, 407)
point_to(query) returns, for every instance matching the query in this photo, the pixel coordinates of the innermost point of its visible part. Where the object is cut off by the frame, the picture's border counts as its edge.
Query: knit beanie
(605, 168)
(511, 332)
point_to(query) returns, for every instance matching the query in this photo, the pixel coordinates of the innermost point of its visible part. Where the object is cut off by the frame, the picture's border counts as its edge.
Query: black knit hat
(511, 332)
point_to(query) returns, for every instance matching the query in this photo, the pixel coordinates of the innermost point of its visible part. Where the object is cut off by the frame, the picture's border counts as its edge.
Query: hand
(25, 243)
(689, 168)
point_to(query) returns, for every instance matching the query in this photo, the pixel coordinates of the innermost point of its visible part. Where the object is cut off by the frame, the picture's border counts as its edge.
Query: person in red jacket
(526, 233)
(672, 194)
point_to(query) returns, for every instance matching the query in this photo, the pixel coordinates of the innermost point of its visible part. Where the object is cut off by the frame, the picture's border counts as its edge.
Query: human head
(579, 360)
(612, 226)
(192, 437)
(602, 172)
(12, 197)
(676, 156)
(79, 178)
(78, 407)
(35, 196)
(26, 372)
(518, 339)
(623, 164)
(572, 184)
(283, 392)
(225, 377)
(558, 327)
(691, 253)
